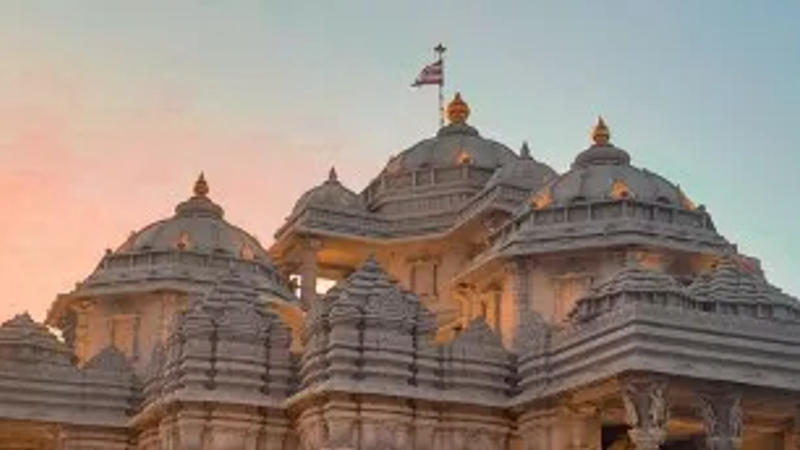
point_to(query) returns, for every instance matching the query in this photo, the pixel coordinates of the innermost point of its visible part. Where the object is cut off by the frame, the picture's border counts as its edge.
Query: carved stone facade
(480, 301)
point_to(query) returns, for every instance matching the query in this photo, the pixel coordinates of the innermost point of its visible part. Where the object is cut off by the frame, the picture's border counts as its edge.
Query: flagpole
(440, 49)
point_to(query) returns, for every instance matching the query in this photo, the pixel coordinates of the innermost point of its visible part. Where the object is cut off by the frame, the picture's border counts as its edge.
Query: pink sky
(77, 175)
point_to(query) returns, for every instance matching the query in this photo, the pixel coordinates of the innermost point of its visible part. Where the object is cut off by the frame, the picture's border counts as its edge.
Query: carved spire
(457, 110)
(332, 176)
(525, 151)
(201, 186)
(601, 134)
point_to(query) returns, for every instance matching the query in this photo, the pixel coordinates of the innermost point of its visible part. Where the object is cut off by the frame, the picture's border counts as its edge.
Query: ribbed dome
(330, 194)
(197, 225)
(524, 172)
(604, 172)
(599, 182)
(186, 252)
(455, 144)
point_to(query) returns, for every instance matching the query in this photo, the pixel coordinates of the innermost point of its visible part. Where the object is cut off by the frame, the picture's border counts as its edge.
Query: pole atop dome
(200, 186)
(332, 176)
(457, 110)
(600, 134)
(434, 74)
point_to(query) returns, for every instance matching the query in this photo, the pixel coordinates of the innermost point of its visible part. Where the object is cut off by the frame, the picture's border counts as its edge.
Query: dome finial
(525, 151)
(332, 176)
(200, 186)
(600, 134)
(457, 110)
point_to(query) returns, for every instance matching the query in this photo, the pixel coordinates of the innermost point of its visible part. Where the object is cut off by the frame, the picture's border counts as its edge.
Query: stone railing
(388, 184)
(118, 268)
(573, 218)
(382, 226)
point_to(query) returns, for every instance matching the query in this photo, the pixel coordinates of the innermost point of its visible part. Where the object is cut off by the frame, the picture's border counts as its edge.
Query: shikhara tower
(480, 300)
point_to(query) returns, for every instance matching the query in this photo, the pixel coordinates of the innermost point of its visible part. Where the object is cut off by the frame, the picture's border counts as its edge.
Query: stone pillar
(520, 290)
(308, 271)
(587, 428)
(646, 410)
(519, 269)
(792, 436)
(191, 429)
(721, 412)
(82, 311)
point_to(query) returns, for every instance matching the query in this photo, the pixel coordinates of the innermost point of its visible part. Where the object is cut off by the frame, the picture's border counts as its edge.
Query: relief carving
(646, 410)
(722, 417)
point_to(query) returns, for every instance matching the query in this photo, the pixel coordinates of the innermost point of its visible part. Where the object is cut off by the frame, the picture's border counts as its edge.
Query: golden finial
(457, 110)
(200, 186)
(600, 134)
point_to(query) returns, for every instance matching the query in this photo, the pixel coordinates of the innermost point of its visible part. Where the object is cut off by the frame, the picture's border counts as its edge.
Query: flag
(430, 74)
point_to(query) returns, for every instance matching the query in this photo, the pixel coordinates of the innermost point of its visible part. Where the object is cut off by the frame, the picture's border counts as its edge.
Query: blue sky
(114, 107)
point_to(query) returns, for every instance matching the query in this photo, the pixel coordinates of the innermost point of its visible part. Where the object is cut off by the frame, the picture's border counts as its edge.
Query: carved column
(519, 270)
(792, 438)
(721, 412)
(586, 428)
(191, 429)
(308, 270)
(646, 410)
(82, 344)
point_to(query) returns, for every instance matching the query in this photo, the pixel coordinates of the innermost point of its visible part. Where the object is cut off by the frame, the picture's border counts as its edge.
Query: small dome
(198, 226)
(613, 181)
(186, 252)
(604, 172)
(524, 172)
(331, 194)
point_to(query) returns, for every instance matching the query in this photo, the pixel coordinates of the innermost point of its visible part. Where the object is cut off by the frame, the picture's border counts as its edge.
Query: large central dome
(438, 176)
(455, 144)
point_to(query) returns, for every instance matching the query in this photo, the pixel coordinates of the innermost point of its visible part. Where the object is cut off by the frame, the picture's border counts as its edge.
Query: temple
(468, 298)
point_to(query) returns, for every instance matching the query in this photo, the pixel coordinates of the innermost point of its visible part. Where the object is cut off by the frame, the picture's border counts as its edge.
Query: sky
(109, 110)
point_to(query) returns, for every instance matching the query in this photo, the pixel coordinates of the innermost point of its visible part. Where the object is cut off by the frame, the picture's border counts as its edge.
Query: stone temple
(477, 300)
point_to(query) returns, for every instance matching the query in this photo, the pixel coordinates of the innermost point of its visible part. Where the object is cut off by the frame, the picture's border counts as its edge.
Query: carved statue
(645, 403)
(659, 411)
(631, 413)
(647, 411)
(709, 416)
(735, 418)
